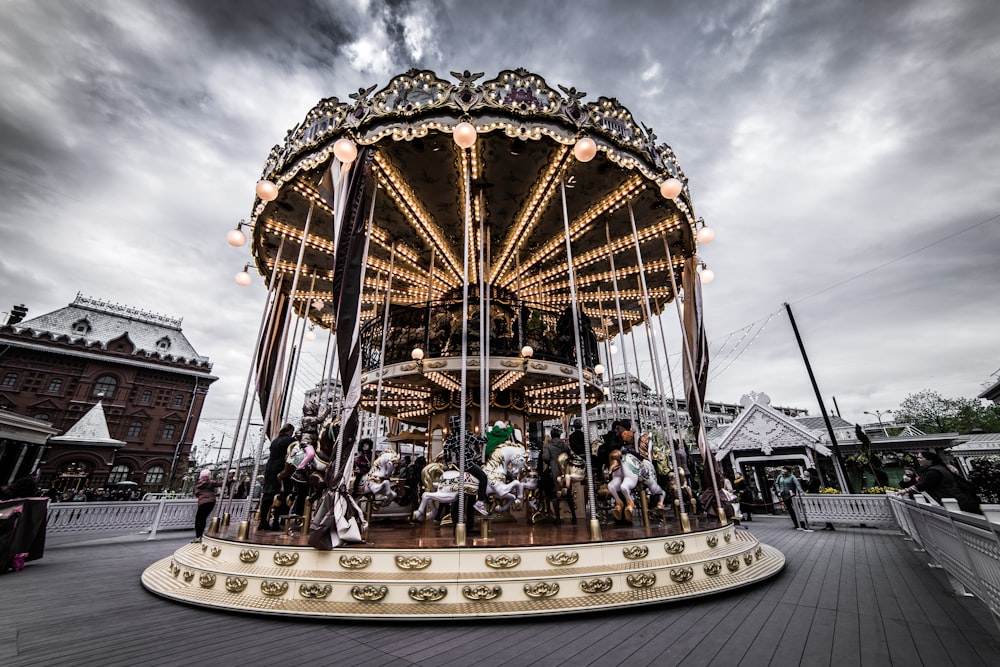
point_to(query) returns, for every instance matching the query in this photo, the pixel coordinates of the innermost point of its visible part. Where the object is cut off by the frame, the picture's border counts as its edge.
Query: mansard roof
(96, 323)
(761, 427)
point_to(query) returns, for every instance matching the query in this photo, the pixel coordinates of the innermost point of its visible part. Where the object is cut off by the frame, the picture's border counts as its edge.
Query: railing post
(160, 508)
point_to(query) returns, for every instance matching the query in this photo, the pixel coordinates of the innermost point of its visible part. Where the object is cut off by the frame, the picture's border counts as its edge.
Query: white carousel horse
(503, 473)
(446, 489)
(626, 473)
(377, 482)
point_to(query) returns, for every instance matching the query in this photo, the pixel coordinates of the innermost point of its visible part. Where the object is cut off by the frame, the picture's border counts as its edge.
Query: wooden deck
(850, 597)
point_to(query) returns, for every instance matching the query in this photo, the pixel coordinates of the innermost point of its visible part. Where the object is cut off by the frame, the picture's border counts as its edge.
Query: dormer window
(81, 327)
(163, 344)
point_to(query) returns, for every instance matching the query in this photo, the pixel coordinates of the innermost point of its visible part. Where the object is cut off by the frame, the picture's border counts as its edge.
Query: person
(577, 443)
(811, 484)
(787, 486)
(743, 491)
(496, 436)
(206, 492)
(274, 487)
(362, 463)
(939, 482)
(473, 446)
(413, 480)
(558, 483)
(909, 477)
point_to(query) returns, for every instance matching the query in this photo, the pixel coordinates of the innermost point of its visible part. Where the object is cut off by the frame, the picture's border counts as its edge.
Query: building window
(163, 344)
(119, 473)
(147, 396)
(178, 400)
(41, 416)
(154, 476)
(81, 327)
(168, 431)
(105, 387)
(55, 385)
(9, 380)
(134, 430)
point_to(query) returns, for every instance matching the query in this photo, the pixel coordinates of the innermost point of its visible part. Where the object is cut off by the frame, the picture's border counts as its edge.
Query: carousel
(474, 247)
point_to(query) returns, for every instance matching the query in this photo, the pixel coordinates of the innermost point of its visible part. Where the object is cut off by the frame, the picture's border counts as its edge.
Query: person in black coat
(273, 487)
(939, 482)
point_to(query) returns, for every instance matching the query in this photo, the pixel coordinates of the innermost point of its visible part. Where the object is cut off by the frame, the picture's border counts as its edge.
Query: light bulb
(345, 150)
(705, 235)
(267, 190)
(465, 135)
(707, 276)
(417, 354)
(236, 237)
(599, 369)
(614, 348)
(310, 334)
(527, 351)
(671, 188)
(585, 149)
(243, 277)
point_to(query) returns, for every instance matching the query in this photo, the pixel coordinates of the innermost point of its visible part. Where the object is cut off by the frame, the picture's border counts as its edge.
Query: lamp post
(878, 415)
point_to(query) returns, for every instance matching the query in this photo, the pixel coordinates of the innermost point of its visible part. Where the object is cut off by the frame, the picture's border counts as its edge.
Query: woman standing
(205, 491)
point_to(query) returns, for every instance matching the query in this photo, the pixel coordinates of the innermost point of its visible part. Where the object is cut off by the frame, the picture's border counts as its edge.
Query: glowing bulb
(527, 351)
(605, 390)
(236, 237)
(614, 349)
(465, 135)
(267, 190)
(310, 334)
(707, 276)
(599, 369)
(345, 150)
(243, 277)
(705, 235)
(671, 188)
(585, 149)
(417, 354)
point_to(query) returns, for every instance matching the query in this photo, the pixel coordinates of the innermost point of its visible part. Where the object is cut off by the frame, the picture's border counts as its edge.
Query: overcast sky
(847, 155)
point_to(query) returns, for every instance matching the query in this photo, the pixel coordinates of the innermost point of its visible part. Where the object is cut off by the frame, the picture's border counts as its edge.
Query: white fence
(966, 546)
(859, 509)
(127, 517)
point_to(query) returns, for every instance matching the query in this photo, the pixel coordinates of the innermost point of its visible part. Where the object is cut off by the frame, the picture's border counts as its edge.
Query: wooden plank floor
(850, 597)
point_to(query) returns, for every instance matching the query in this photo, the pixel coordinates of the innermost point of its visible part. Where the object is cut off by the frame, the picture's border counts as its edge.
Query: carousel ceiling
(522, 161)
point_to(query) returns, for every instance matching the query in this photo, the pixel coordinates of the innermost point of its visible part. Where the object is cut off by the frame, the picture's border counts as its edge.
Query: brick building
(138, 365)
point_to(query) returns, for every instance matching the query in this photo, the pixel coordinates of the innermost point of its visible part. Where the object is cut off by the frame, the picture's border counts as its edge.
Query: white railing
(855, 509)
(126, 517)
(966, 546)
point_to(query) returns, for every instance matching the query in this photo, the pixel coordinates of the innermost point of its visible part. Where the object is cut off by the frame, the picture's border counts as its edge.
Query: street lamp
(878, 415)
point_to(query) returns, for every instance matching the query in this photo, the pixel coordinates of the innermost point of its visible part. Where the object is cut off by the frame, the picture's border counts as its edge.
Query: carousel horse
(503, 472)
(377, 482)
(626, 473)
(445, 484)
(572, 468)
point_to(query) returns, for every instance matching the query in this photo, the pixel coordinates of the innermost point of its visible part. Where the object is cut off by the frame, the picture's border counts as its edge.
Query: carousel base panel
(424, 576)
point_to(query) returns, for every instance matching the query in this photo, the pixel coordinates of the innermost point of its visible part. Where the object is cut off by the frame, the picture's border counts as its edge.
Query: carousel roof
(513, 174)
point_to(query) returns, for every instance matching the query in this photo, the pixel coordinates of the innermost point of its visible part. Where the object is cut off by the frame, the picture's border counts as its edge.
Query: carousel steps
(365, 582)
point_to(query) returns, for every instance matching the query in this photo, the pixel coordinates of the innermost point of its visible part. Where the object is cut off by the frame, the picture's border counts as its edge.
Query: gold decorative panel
(748, 558)
(174, 568)
(427, 593)
(596, 585)
(503, 562)
(476, 593)
(641, 580)
(636, 552)
(542, 589)
(733, 563)
(216, 551)
(728, 537)
(369, 593)
(713, 568)
(413, 562)
(236, 584)
(682, 575)
(286, 559)
(674, 547)
(563, 558)
(712, 541)
(207, 579)
(355, 562)
(274, 589)
(315, 591)
(249, 555)
(188, 576)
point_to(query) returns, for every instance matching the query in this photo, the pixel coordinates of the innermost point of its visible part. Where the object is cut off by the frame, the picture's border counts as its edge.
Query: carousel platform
(416, 572)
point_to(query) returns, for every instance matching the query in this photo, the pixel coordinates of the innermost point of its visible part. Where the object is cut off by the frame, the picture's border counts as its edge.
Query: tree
(932, 413)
